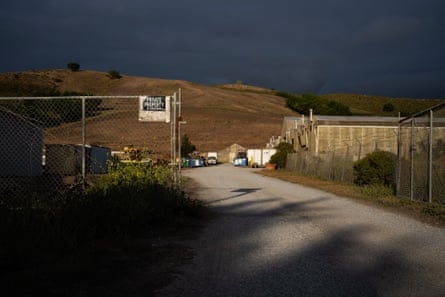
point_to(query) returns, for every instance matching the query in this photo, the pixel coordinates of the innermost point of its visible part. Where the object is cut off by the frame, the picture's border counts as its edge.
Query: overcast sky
(375, 47)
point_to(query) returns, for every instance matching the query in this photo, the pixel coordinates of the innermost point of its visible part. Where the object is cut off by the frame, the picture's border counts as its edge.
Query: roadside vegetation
(280, 157)
(128, 199)
(117, 238)
(373, 194)
(374, 183)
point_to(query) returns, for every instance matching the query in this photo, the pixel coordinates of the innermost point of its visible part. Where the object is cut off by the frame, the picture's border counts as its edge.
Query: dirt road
(273, 238)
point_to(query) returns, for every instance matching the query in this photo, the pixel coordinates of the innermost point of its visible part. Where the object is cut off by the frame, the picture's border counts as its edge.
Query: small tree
(73, 66)
(280, 157)
(388, 107)
(186, 146)
(113, 74)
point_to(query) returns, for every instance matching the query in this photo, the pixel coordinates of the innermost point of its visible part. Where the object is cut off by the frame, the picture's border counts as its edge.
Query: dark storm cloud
(391, 47)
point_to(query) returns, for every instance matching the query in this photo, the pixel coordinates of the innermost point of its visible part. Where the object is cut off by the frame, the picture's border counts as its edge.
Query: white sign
(154, 108)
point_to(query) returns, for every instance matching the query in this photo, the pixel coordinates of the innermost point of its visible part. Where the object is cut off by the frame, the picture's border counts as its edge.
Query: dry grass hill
(216, 116)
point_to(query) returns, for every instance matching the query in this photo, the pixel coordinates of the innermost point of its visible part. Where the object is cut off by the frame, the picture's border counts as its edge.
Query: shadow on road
(277, 247)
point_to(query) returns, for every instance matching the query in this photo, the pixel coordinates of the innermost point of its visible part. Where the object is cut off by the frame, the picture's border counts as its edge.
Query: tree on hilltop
(73, 66)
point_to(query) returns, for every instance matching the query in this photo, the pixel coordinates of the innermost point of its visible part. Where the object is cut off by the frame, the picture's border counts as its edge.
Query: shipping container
(259, 157)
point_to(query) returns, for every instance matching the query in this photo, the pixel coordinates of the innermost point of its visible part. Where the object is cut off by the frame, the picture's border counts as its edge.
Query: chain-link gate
(421, 157)
(51, 143)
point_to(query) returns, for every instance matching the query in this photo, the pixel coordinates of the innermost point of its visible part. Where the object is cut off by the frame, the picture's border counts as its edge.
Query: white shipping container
(267, 153)
(259, 157)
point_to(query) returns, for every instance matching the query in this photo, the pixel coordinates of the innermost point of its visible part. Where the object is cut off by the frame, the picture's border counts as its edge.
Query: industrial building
(352, 135)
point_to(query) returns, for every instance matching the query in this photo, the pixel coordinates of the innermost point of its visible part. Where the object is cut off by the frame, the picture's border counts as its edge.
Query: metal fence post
(399, 159)
(83, 144)
(411, 174)
(179, 132)
(175, 119)
(430, 160)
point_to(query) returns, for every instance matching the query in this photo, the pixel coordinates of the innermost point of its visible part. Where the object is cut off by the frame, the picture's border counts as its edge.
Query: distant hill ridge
(217, 116)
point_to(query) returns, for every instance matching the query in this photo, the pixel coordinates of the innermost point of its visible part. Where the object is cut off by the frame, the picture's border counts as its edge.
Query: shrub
(73, 66)
(303, 104)
(377, 168)
(124, 201)
(280, 157)
(388, 107)
(187, 146)
(113, 74)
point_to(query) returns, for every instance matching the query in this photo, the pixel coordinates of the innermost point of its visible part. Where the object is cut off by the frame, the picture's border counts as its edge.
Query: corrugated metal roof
(356, 120)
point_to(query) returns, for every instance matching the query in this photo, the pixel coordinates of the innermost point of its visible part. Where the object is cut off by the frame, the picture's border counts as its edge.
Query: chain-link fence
(421, 162)
(336, 163)
(51, 143)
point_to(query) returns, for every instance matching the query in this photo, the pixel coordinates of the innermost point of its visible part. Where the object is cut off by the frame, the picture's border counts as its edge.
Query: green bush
(113, 74)
(128, 199)
(388, 107)
(303, 104)
(280, 157)
(377, 168)
(73, 66)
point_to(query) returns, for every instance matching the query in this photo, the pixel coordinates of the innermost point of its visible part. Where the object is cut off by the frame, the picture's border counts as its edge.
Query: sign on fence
(154, 108)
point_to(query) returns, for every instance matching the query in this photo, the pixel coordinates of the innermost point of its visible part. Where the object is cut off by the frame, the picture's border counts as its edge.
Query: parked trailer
(212, 158)
(259, 157)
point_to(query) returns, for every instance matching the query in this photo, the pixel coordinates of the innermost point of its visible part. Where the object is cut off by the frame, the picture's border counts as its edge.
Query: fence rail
(50, 143)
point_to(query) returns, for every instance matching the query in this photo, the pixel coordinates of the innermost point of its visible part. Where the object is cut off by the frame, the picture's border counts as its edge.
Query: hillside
(373, 105)
(216, 116)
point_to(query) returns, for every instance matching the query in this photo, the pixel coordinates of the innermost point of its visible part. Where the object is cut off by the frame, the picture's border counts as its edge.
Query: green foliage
(113, 74)
(280, 157)
(53, 112)
(372, 105)
(303, 104)
(377, 168)
(73, 66)
(434, 210)
(186, 145)
(388, 107)
(376, 190)
(128, 199)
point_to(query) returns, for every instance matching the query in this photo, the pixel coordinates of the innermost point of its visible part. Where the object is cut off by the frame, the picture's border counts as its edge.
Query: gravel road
(273, 238)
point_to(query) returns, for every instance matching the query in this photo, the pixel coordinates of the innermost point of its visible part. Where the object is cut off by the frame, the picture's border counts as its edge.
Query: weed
(376, 191)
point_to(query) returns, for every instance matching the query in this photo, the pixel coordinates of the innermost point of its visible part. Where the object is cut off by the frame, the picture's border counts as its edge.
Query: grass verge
(433, 214)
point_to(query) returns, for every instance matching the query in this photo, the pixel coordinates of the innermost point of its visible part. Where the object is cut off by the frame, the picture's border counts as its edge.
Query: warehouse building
(352, 135)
